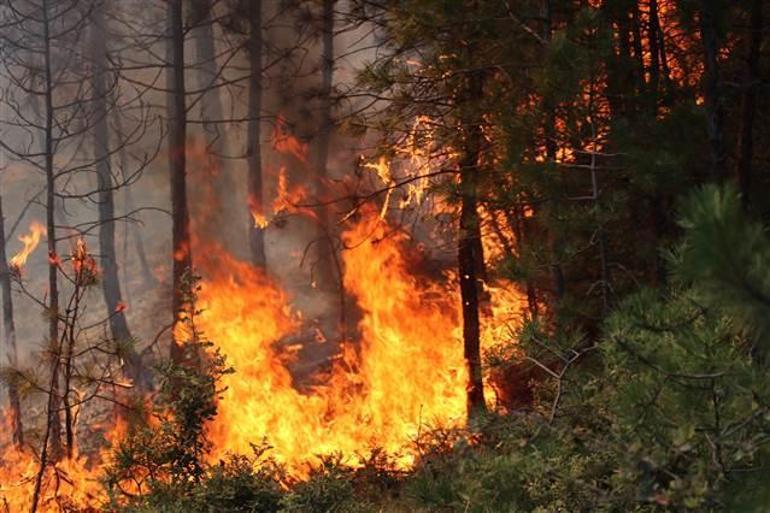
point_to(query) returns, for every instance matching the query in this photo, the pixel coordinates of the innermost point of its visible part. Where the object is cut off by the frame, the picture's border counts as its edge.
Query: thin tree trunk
(113, 297)
(177, 130)
(211, 114)
(54, 416)
(711, 87)
(657, 66)
(638, 45)
(748, 104)
(653, 41)
(555, 241)
(10, 336)
(254, 139)
(326, 276)
(467, 256)
(149, 278)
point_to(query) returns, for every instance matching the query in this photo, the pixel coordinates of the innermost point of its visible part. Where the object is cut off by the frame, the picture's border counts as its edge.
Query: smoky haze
(217, 171)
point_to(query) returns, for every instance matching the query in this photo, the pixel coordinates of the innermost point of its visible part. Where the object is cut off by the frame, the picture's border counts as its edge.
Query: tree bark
(711, 87)
(53, 414)
(551, 148)
(10, 336)
(748, 104)
(326, 277)
(113, 296)
(177, 159)
(254, 139)
(207, 73)
(467, 254)
(149, 279)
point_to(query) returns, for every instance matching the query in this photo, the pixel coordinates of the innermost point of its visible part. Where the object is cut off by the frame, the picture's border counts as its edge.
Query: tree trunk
(467, 254)
(211, 114)
(658, 200)
(653, 41)
(9, 336)
(113, 297)
(325, 274)
(53, 413)
(711, 87)
(551, 148)
(748, 104)
(254, 139)
(149, 279)
(177, 159)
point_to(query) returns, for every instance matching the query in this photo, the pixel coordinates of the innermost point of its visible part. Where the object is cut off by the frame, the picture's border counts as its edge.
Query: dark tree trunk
(711, 87)
(113, 297)
(654, 41)
(53, 435)
(211, 114)
(748, 104)
(467, 254)
(254, 139)
(177, 159)
(657, 67)
(638, 45)
(9, 336)
(149, 278)
(555, 241)
(324, 272)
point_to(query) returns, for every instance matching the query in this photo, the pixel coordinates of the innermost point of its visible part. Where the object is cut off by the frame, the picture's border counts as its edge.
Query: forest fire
(30, 241)
(402, 376)
(325, 256)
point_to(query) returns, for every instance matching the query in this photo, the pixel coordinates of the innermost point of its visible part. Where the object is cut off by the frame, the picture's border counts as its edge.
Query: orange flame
(406, 372)
(290, 197)
(285, 142)
(70, 485)
(31, 242)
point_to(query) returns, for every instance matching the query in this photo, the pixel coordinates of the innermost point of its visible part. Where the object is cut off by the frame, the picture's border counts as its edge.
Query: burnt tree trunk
(555, 241)
(654, 41)
(324, 267)
(9, 328)
(659, 199)
(53, 427)
(149, 278)
(207, 73)
(468, 257)
(254, 139)
(177, 160)
(711, 87)
(748, 104)
(113, 296)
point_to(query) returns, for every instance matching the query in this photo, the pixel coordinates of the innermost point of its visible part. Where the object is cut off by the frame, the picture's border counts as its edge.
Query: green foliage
(667, 410)
(238, 485)
(165, 453)
(329, 489)
(726, 256)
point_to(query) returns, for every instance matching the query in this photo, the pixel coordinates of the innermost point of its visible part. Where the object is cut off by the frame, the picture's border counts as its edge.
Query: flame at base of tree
(70, 485)
(404, 374)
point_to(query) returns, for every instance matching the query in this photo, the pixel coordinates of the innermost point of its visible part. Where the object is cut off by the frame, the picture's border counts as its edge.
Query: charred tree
(53, 428)
(468, 258)
(712, 95)
(748, 103)
(177, 160)
(254, 138)
(207, 73)
(325, 265)
(149, 278)
(111, 289)
(9, 336)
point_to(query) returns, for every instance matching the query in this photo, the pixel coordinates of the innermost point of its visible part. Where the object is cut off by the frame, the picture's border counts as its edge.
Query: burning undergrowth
(402, 375)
